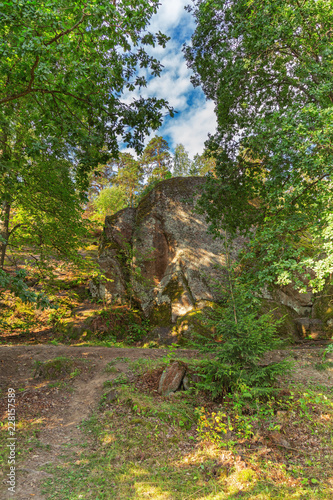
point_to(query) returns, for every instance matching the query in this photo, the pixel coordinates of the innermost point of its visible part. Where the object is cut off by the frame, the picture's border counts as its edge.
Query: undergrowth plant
(242, 337)
(328, 350)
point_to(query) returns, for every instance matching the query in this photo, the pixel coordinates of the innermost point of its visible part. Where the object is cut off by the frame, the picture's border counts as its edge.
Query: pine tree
(156, 159)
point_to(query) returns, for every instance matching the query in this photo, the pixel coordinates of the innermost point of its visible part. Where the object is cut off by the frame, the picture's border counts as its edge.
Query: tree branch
(63, 33)
(28, 90)
(16, 227)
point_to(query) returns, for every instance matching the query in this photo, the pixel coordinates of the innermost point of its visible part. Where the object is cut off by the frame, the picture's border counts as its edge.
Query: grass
(130, 440)
(60, 367)
(145, 446)
(144, 365)
(323, 365)
(141, 445)
(26, 433)
(54, 368)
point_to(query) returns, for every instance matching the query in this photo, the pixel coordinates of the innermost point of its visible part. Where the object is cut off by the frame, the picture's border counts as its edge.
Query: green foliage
(118, 324)
(137, 331)
(129, 176)
(172, 349)
(110, 200)
(16, 284)
(71, 62)
(184, 166)
(243, 416)
(266, 65)
(115, 185)
(327, 350)
(39, 201)
(156, 159)
(181, 161)
(45, 209)
(64, 67)
(202, 164)
(242, 337)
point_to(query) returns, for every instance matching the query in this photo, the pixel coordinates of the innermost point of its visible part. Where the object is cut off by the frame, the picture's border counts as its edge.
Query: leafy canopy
(69, 77)
(70, 62)
(267, 66)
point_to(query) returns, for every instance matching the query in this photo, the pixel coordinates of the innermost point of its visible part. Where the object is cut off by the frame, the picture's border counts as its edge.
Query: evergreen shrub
(234, 361)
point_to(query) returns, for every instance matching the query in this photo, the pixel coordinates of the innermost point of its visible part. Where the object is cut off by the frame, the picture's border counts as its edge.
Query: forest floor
(91, 425)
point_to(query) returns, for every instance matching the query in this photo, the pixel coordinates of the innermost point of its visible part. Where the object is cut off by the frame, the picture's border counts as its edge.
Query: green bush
(235, 354)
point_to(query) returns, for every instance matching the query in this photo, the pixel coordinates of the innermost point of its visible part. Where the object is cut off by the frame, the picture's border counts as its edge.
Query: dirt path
(61, 413)
(62, 410)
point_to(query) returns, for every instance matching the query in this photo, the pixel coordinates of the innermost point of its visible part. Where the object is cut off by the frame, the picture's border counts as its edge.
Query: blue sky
(195, 117)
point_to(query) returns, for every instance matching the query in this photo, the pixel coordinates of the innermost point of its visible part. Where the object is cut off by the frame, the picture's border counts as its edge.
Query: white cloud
(192, 127)
(195, 117)
(169, 16)
(174, 84)
(189, 128)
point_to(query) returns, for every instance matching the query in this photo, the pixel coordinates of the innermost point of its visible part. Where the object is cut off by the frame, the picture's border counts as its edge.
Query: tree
(202, 165)
(114, 186)
(64, 67)
(267, 66)
(128, 176)
(156, 159)
(72, 61)
(181, 161)
(110, 200)
(101, 178)
(41, 208)
(199, 166)
(243, 336)
(35, 191)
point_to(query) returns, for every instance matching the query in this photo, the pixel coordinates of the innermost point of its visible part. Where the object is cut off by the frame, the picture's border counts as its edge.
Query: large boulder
(160, 257)
(176, 261)
(115, 255)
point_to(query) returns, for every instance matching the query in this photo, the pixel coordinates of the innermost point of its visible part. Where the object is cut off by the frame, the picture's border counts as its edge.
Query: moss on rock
(192, 324)
(174, 289)
(323, 308)
(161, 315)
(144, 209)
(287, 328)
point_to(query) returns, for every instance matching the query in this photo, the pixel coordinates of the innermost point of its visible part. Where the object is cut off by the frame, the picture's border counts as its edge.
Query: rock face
(115, 255)
(160, 257)
(308, 327)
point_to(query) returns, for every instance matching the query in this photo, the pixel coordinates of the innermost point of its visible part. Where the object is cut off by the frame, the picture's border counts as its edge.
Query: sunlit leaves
(267, 66)
(75, 60)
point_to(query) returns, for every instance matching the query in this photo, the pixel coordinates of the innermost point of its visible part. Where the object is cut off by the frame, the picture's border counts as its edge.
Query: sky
(195, 117)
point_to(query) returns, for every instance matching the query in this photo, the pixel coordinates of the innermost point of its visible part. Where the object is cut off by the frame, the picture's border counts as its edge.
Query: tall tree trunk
(4, 204)
(4, 231)
(230, 274)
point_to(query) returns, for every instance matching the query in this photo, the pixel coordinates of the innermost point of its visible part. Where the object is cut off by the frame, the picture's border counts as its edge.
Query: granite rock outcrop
(160, 257)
